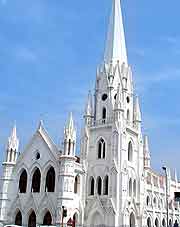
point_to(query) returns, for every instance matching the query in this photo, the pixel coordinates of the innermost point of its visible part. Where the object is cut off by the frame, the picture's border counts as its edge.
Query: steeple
(12, 146)
(69, 137)
(89, 110)
(115, 45)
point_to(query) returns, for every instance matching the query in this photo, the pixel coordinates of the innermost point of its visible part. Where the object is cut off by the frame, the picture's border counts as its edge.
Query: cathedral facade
(112, 183)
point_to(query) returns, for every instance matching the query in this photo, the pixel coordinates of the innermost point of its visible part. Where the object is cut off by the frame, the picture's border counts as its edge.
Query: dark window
(91, 186)
(50, 180)
(149, 222)
(104, 97)
(36, 181)
(47, 219)
(18, 218)
(128, 100)
(32, 220)
(99, 185)
(106, 185)
(104, 114)
(76, 185)
(101, 149)
(130, 152)
(38, 156)
(23, 182)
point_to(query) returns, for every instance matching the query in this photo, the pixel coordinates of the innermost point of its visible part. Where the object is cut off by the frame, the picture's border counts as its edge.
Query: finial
(40, 124)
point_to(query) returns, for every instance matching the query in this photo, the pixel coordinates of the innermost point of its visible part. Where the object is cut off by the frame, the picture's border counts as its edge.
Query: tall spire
(116, 47)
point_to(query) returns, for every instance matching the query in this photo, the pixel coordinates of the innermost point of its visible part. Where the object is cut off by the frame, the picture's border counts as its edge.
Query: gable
(40, 143)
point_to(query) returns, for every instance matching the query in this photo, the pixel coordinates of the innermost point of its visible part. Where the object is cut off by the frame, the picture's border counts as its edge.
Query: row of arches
(47, 220)
(132, 187)
(36, 181)
(155, 202)
(100, 184)
(158, 224)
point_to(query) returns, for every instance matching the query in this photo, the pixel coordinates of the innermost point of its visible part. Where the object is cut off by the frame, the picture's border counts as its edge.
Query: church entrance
(132, 220)
(32, 220)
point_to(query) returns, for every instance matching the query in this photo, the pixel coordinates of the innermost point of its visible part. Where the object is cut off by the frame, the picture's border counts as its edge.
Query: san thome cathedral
(111, 183)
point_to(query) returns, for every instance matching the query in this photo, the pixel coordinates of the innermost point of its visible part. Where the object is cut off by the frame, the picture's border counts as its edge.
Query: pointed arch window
(36, 181)
(47, 219)
(106, 185)
(23, 182)
(148, 222)
(134, 188)
(128, 115)
(130, 152)
(32, 220)
(77, 185)
(91, 186)
(99, 185)
(104, 113)
(50, 180)
(101, 149)
(18, 218)
(130, 187)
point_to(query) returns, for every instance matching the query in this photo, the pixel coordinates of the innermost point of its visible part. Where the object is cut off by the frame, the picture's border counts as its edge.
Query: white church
(112, 183)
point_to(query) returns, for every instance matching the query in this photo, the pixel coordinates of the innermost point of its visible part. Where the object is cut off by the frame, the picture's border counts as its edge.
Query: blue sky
(49, 51)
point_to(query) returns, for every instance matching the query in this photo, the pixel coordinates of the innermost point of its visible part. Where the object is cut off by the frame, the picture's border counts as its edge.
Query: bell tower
(111, 144)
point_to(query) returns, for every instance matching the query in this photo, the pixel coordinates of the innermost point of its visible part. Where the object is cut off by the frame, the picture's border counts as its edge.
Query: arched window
(91, 186)
(130, 187)
(148, 222)
(75, 219)
(132, 220)
(156, 222)
(163, 223)
(155, 202)
(99, 185)
(148, 201)
(18, 218)
(170, 223)
(128, 115)
(130, 152)
(47, 219)
(23, 182)
(104, 115)
(50, 180)
(36, 181)
(134, 188)
(106, 185)
(77, 185)
(32, 220)
(101, 149)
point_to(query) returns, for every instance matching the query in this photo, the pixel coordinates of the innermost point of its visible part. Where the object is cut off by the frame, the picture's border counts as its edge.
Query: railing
(110, 120)
(103, 121)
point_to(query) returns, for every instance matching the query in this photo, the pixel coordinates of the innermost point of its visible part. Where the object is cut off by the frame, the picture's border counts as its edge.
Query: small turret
(69, 137)
(147, 157)
(12, 146)
(88, 116)
(118, 104)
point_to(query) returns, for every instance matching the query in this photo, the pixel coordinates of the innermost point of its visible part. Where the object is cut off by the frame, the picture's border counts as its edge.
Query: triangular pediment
(40, 143)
